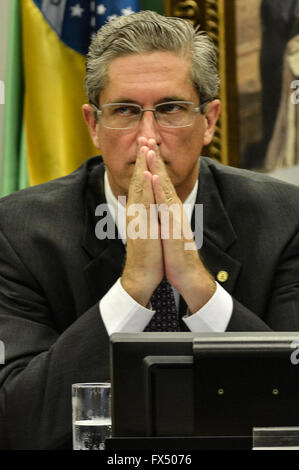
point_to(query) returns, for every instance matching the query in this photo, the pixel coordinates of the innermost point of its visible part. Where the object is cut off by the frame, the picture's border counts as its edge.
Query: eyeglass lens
(126, 116)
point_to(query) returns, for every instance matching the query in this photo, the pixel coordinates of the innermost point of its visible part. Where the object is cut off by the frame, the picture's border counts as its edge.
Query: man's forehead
(161, 74)
(156, 60)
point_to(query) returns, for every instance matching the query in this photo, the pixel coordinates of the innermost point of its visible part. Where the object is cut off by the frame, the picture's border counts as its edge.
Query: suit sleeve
(281, 311)
(41, 363)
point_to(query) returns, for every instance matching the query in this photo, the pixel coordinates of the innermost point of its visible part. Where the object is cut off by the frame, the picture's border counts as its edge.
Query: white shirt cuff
(214, 316)
(121, 313)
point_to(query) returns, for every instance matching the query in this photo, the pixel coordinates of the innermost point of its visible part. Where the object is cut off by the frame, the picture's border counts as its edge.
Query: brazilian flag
(45, 136)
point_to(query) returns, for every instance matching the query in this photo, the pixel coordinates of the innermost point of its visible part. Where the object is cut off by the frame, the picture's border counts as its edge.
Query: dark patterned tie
(165, 318)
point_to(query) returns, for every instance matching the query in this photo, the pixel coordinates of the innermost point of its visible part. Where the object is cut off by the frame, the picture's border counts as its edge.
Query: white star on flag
(127, 11)
(77, 10)
(101, 9)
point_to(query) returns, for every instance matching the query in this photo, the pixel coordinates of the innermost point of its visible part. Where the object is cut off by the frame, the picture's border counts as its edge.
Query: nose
(148, 127)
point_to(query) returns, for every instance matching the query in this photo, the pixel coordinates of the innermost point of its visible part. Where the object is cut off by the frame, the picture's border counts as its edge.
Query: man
(151, 82)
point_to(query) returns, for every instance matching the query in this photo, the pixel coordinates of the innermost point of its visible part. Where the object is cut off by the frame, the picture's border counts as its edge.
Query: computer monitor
(197, 384)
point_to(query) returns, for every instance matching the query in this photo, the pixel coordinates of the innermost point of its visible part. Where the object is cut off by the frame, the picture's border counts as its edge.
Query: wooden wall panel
(217, 18)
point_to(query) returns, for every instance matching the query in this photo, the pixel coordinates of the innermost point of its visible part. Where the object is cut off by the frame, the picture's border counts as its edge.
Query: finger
(163, 194)
(142, 141)
(157, 189)
(165, 210)
(136, 183)
(174, 222)
(148, 188)
(141, 189)
(141, 163)
(152, 144)
(155, 161)
(166, 189)
(143, 204)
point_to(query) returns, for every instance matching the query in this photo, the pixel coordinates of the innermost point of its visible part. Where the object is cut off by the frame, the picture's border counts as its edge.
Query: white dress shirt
(122, 314)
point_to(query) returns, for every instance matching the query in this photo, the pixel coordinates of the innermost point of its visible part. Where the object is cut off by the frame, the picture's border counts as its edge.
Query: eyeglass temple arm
(202, 106)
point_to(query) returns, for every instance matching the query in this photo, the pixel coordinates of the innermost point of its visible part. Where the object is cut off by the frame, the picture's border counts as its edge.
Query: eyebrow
(165, 99)
(172, 98)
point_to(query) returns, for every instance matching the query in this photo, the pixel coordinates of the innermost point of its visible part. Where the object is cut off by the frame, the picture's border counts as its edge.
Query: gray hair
(148, 31)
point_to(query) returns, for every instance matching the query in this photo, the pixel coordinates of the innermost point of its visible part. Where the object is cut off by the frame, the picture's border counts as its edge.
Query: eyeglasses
(171, 114)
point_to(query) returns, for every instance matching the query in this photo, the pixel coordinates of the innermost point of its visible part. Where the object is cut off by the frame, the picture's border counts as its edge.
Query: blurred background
(42, 59)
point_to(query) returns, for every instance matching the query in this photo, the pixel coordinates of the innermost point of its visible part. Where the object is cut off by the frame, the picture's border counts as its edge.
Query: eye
(126, 110)
(171, 108)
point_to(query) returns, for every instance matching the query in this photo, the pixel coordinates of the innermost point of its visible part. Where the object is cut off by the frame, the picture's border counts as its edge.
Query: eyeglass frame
(196, 109)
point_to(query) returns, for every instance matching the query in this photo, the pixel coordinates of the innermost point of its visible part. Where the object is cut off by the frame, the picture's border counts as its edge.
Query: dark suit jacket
(54, 271)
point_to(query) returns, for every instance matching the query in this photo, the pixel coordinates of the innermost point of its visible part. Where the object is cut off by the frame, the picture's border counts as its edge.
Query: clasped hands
(150, 258)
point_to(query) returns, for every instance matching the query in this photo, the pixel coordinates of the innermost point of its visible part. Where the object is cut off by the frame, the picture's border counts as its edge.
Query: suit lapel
(104, 270)
(218, 233)
(106, 256)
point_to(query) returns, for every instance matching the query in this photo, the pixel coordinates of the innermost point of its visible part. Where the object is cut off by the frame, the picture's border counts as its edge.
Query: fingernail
(141, 141)
(152, 153)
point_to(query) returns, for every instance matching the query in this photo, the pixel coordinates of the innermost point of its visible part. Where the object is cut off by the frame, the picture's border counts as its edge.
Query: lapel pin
(222, 276)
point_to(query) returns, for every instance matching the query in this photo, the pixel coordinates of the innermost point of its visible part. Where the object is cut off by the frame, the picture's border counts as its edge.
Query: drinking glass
(91, 404)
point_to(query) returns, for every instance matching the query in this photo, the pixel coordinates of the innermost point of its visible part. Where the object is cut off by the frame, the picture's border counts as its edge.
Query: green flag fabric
(14, 167)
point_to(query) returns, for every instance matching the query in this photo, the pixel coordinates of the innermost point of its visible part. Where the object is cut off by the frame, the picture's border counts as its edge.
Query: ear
(211, 116)
(92, 124)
